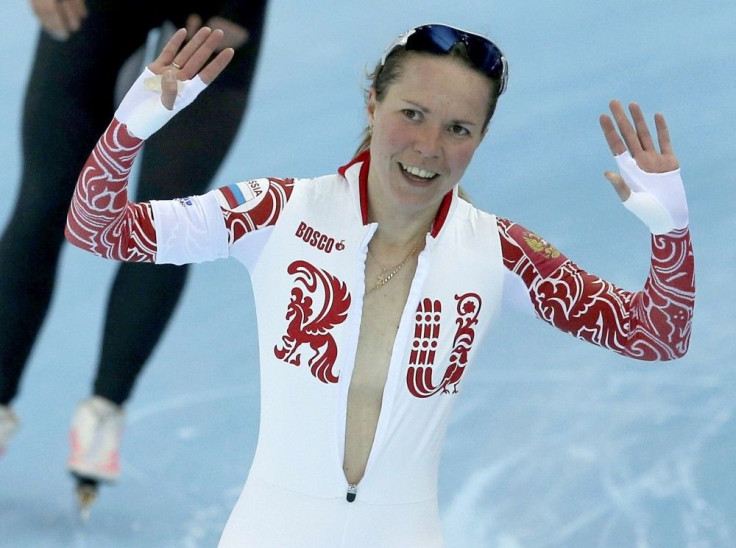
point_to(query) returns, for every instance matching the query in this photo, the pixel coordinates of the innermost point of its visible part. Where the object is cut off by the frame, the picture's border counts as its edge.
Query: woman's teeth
(418, 172)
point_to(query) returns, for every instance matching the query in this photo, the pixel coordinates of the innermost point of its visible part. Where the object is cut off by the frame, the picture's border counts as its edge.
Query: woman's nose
(428, 142)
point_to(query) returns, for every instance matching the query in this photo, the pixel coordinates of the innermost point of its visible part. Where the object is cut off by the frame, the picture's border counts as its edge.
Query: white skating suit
(304, 243)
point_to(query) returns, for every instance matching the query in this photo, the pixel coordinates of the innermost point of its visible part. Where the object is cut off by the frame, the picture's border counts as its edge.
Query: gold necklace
(383, 278)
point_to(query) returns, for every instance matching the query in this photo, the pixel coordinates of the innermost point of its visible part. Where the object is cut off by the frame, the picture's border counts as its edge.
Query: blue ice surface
(554, 443)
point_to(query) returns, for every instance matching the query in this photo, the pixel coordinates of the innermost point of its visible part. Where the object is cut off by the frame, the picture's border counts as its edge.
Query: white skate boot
(8, 426)
(95, 447)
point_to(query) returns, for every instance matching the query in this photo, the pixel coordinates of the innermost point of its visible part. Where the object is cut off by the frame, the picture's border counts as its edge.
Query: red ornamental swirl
(266, 213)
(652, 324)
(662, 317)
(100, 219)
(420, 380)
(319, 302)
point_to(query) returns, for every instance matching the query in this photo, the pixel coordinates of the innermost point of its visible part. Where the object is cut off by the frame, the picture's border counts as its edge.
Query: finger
(81, 7)
(168, 53)
(612, 137)
(217, 65)
(625, 128)
(72, 18)
(193, 24)
(235, 35)
(168, 88)
(642, 130)
(663, 134)
(197, 52)
(78, 8)
(189, 49)
(619, 185)
(51, 18)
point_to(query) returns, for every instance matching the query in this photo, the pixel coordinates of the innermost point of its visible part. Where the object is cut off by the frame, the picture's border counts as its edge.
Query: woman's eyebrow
(427, 110)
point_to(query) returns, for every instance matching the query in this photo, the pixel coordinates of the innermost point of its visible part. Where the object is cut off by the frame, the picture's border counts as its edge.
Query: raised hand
(649, 182)
(60, 18)
(172, 81)
(184, 63)
(637, 140)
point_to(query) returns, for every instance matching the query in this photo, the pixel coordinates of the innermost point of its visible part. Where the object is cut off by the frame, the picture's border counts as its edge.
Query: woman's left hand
(637, 140)
(649, 182)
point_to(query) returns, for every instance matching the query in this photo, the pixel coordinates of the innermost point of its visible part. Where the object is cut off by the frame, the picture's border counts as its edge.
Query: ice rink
(554, 443)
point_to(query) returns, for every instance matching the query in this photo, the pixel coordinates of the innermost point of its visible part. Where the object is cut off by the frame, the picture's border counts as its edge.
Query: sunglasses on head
(440, 39)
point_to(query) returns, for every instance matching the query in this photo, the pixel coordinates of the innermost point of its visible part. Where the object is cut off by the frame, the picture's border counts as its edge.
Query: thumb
(619, 185)
(169, 89)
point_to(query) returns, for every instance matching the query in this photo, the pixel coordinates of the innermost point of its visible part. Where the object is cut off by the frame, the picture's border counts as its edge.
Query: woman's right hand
(60, 18)
(177, 63)
(171, 82)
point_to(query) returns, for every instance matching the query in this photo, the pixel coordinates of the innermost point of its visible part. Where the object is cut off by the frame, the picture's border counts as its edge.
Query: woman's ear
(370, 105)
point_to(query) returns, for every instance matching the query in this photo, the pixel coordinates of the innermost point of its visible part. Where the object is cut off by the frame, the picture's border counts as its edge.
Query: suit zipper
(352, 492)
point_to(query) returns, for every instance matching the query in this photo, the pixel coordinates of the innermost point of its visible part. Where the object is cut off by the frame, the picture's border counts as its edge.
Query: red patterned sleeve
(101, 220)
(252, 205)
(651, 324)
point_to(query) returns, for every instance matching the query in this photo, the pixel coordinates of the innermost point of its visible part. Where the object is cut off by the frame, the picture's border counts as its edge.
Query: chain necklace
(385, 276)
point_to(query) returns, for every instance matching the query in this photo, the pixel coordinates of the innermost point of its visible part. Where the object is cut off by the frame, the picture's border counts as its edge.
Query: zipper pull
(352, 492)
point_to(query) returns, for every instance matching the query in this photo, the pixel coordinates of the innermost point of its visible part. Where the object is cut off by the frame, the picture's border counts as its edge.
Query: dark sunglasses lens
(440, 39)
(485, 55)
(433, 39)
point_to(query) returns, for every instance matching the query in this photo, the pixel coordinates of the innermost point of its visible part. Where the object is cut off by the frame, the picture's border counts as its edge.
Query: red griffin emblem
(419, 379)
(310, 324)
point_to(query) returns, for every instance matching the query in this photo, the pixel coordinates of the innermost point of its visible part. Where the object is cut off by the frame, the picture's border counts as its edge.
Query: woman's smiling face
(426, 130)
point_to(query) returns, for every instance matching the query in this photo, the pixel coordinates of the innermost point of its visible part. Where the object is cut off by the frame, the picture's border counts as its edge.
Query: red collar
(365, 159)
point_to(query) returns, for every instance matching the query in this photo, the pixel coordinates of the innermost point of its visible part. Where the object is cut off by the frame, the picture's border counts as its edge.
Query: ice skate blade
(86, 496)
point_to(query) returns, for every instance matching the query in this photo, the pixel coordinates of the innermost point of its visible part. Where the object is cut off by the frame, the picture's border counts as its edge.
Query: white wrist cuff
(141, 109)
(657, 199)
(650, 212)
